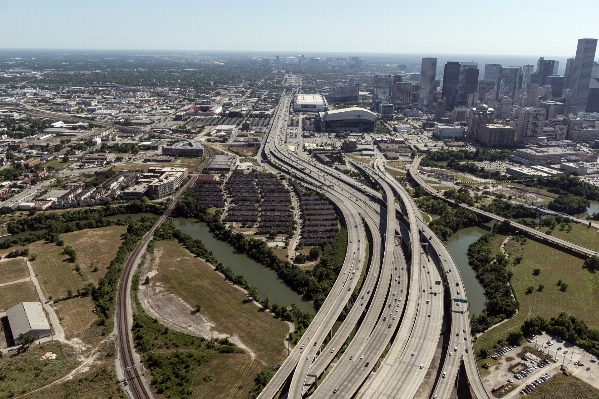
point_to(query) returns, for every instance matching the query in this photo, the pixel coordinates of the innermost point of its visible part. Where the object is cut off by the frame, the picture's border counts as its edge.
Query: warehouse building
(309, 103)
(187, 148)
(28, 318)
(353, 119)
(221, 164)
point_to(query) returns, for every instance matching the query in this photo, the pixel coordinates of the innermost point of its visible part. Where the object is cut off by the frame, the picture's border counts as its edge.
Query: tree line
(300, 318)
(493, 274)
(567, 327)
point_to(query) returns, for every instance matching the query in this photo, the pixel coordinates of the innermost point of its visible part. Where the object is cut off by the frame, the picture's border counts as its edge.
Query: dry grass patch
(26, 371)
(233, 377)
(57, 275)
(12, 270)
(563, 387)
(12, 294)
(78, 320)
(194, 281)
(98, 382)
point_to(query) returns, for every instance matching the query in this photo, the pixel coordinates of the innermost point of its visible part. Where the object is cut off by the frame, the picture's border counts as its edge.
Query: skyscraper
(468, 81)
(568, 73)
(546, 68)
(451, 82)
(581, 73)
(492, 72)
(508, 83)
(381, 91)
(527, 70)
(428, 72)
(557, 85)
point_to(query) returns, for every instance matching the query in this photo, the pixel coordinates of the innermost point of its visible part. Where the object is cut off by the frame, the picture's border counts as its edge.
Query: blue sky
(430, 27)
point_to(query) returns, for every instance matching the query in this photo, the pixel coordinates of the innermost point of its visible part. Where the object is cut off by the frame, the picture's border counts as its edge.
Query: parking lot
(534, 362)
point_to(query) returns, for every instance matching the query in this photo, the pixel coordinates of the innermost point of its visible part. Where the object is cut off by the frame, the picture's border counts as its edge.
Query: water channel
(594, 208)
(257, 275)
(457, 245)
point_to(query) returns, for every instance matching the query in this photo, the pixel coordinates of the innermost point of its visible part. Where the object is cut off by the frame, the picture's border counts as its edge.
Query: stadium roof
(348, 113)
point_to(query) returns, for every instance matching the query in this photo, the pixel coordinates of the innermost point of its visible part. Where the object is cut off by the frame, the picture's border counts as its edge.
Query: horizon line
(274, 51)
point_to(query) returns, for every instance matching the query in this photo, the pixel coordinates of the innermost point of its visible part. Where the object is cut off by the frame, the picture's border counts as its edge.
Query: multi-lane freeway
(396, 312)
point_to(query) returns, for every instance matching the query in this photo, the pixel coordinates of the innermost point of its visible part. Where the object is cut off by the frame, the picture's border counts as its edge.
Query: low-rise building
(187, 148)
(97, 159)
(575, 168)
(221, 164)
(28, 318)
(449, 131)
(551, 155)
(494, 135)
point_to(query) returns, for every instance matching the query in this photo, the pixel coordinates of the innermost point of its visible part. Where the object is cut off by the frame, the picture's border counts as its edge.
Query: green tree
(592, 263)
(536, 272)
(26, 340)
(529, 289)
(540, 288)
(515, 337)
(315, 253)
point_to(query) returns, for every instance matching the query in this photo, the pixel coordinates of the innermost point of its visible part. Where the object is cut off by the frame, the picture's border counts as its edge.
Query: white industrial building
(28, 318)
(309, 103)
(449, 132)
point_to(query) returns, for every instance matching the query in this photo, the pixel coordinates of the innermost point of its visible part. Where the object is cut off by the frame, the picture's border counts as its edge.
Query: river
(256, 274)
(594, 208)
(457, 245)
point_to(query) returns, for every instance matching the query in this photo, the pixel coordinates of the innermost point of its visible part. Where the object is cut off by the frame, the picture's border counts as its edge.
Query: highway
(308, 346)
(421, 311)
(460, 323)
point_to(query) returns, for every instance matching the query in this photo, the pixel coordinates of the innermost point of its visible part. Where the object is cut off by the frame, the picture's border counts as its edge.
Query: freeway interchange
(393, 329)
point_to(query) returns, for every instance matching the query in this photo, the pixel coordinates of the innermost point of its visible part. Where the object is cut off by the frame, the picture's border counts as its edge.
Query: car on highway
(315, 343)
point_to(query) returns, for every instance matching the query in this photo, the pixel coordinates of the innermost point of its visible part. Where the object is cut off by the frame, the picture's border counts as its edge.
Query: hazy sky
(524, 27)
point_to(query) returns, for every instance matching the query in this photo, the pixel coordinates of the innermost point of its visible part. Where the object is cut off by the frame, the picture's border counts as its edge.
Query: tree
(540, 288)
(536, 272)
(529, 289)
(26, 340)
(315, 253)
(563, 287)
(198, 308)
(266, 302)
(300, 258)
(147, 280)
(592, 263)
(515, 337)
(69, 293)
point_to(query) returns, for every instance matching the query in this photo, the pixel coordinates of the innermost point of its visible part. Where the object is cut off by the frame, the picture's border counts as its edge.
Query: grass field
(564, 387)
(12, 294)
(580, 234)
(233, 377)
(57, 275)
(189, 163)
(359, 158)
(95, 383)
(195, 282)
(78, 320)
(581, 298)
(57, 164)
(26, 371)
(13, 269)
(394, 172)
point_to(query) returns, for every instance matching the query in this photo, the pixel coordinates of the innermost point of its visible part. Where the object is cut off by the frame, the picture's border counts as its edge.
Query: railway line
(130, 363)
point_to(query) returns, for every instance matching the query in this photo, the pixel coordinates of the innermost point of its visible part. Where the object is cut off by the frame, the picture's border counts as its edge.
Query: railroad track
(133, 374)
